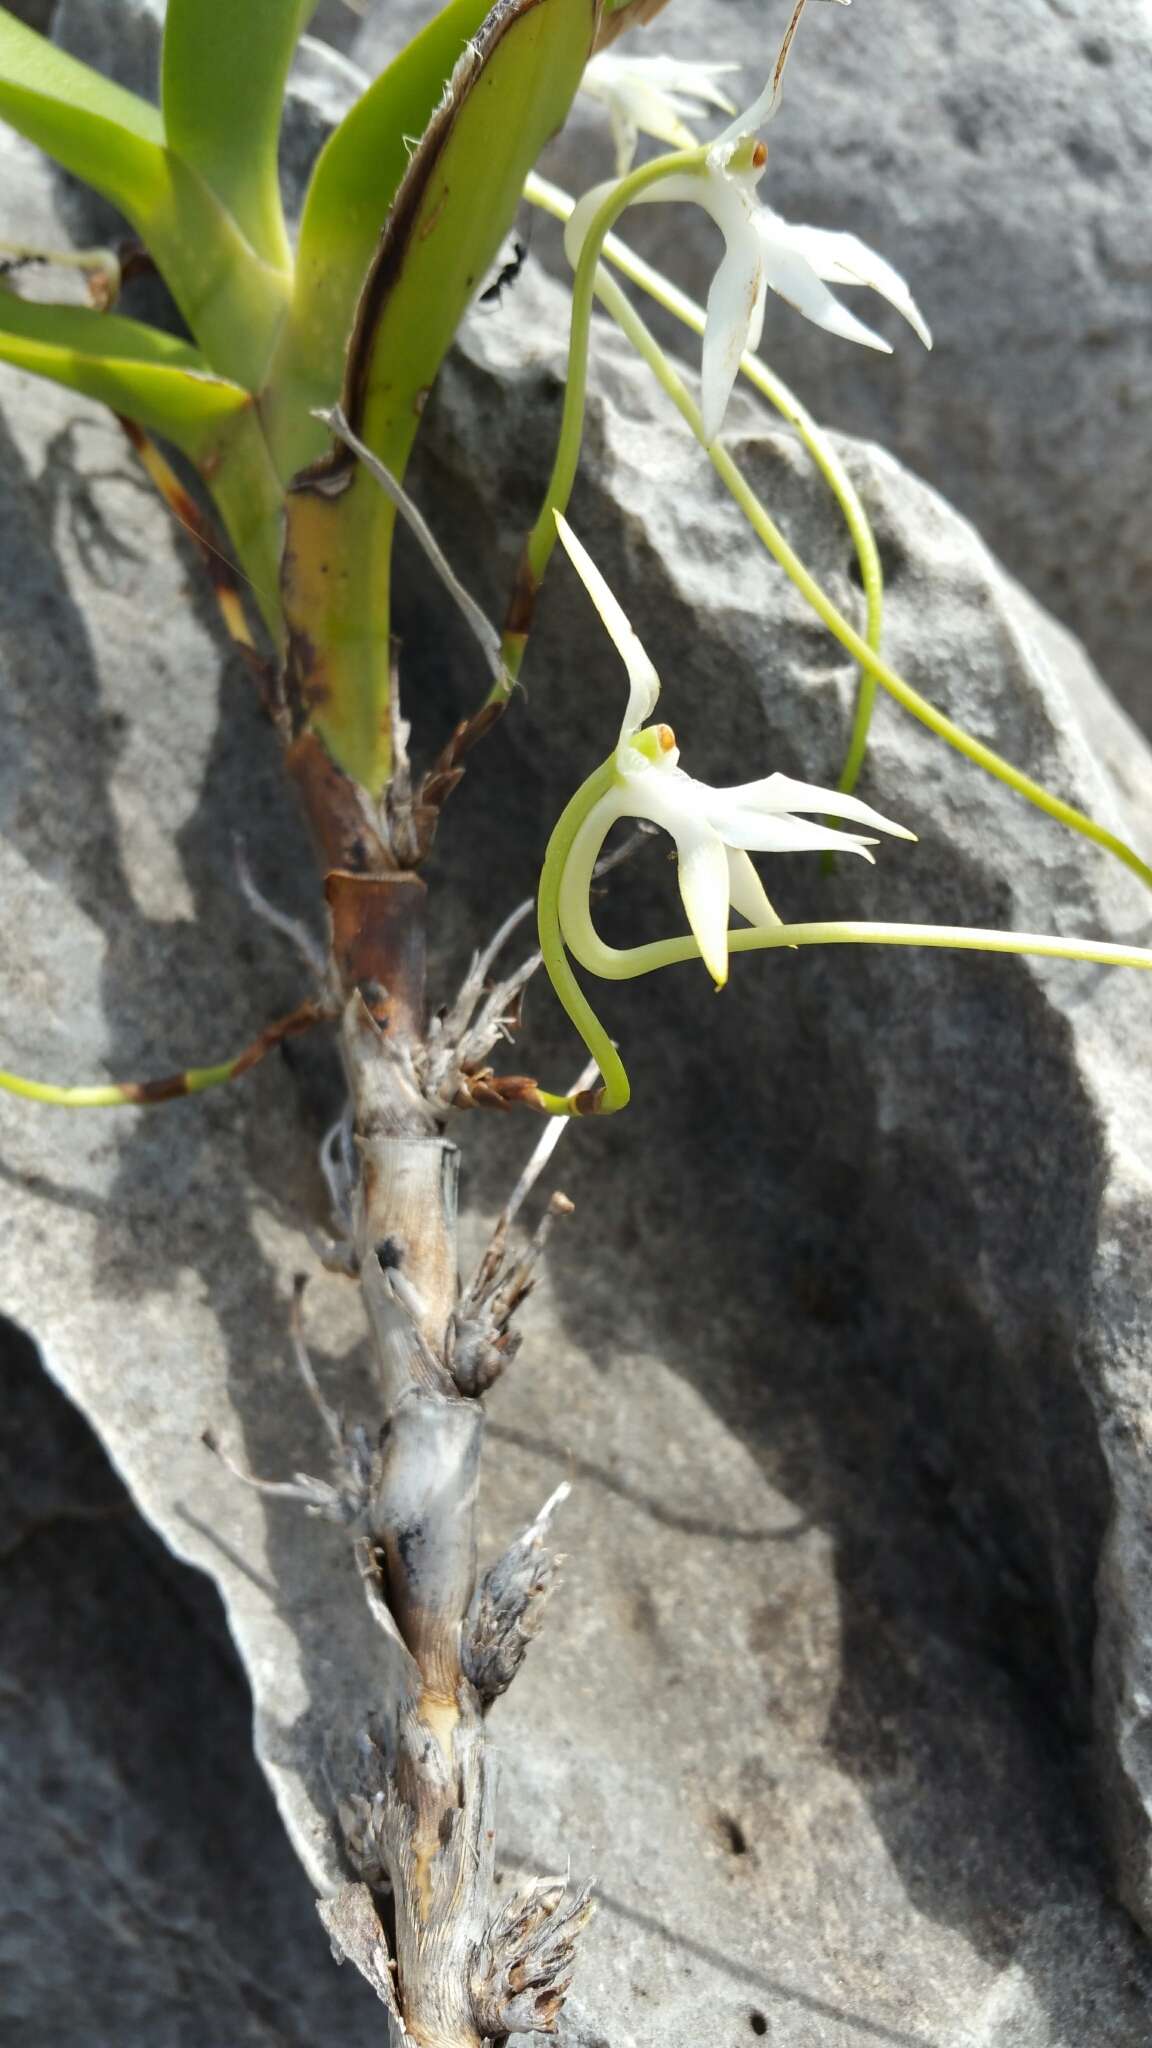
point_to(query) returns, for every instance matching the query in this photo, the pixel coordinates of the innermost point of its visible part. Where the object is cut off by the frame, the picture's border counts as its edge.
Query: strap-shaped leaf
(163, 383)
(510, 91)
(231, 299)
(167, 387)
(105, 135)
(353, 184)
(222, 90)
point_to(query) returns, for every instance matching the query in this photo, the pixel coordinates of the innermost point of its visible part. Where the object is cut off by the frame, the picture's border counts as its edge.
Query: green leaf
(352, 187)
(509, 93)
(97, 130)
(231, 299)
(249, 497)
(222, 90)
(167, 387)
(233, 302)
(163, 383)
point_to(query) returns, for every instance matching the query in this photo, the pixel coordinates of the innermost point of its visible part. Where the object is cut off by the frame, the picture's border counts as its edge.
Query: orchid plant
(294, 403)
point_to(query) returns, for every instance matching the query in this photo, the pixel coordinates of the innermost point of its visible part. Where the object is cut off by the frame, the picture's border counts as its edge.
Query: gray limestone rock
(147, 1893)
(845, 1693)
(122, 40)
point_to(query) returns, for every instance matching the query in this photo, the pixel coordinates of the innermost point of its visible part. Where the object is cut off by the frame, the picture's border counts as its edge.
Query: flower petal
(779, 793)
(703, 873)
(582, 215)
(761, 833)
(658, 115)
(642, 676)
(633, 105)
(664, 793)
(735, 307)
(625, 134)
(683, 77)
(845, 259)
(651, 95)
(790, 273)
(735, 320)
(746, 891)
(767, 101)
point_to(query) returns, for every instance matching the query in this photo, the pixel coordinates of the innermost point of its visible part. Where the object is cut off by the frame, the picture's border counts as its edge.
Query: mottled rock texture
(147, 1893)
(845, 1695)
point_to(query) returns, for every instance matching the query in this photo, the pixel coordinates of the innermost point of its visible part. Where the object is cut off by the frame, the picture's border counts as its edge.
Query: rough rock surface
(1000, 157)
(147, 1892)
(845, 1349)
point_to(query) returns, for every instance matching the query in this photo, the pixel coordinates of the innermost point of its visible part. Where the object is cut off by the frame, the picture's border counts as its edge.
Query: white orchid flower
(766, 253)
(715, 830)
(652, 96)
(763, 252)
